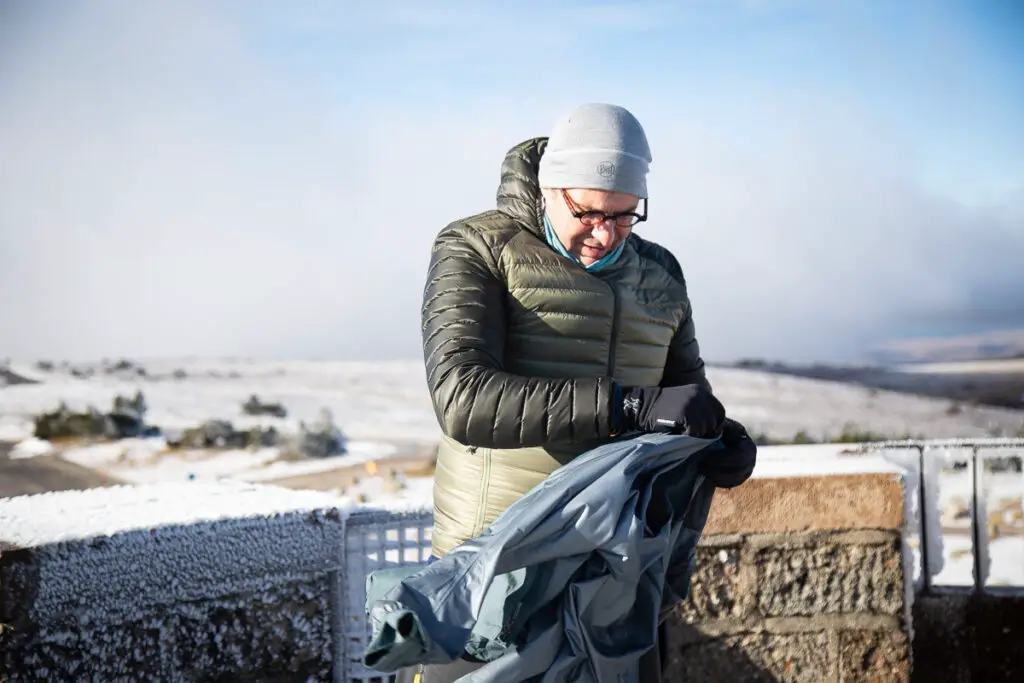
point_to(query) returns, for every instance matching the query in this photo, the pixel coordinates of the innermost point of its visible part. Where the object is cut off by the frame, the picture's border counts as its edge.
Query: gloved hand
(688, 409)
(733, 463)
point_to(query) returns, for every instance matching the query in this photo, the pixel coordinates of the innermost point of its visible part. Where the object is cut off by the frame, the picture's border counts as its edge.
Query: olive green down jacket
(524, 348)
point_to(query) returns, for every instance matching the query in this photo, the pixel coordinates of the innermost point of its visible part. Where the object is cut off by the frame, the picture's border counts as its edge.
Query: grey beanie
(598, 147)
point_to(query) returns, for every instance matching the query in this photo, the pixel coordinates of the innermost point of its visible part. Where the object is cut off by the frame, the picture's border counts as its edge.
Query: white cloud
(818, 243)
(167, 187)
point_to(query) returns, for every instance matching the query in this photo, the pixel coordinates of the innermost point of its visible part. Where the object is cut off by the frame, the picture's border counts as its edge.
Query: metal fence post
(926, 575)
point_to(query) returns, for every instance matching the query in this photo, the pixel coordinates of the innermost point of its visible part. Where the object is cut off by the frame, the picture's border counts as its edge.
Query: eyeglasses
(625, 219)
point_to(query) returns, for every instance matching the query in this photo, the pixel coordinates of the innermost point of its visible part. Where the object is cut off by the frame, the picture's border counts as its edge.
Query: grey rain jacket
(568, 584)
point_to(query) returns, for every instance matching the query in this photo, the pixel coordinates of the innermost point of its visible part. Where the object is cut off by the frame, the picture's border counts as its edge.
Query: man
(550, 327)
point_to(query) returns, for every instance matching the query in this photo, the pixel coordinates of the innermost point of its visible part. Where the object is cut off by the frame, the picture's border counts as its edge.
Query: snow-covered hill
(379, 405)
(389, 401)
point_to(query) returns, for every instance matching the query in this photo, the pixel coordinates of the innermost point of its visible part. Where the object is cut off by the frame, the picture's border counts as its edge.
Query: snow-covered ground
(384, 401)
(146, 461)
(30, 448)
(969, 367)
(369, 401)
(780, 406)
(378, 405)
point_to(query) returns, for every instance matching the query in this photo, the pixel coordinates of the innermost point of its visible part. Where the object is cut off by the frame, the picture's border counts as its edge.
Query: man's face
(588, 238)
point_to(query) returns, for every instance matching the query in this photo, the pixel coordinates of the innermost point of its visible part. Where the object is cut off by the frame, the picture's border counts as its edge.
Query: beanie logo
(606, 169)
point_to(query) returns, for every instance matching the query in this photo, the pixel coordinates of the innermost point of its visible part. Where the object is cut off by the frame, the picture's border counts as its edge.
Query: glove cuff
(615, 409)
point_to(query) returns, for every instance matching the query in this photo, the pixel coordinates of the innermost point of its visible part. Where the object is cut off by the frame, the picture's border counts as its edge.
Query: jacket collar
(519, 191)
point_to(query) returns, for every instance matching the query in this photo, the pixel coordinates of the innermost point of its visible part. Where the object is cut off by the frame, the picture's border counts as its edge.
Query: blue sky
(946, 76)
(260, 168)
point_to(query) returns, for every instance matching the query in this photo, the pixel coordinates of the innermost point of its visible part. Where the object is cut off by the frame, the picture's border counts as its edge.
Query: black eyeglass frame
(592, 218)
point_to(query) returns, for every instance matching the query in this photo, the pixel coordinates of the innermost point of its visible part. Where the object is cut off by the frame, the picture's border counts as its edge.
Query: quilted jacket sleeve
(684, 364)
(476, 401)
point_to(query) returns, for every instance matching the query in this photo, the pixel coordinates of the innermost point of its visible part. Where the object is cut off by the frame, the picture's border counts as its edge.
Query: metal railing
(927, 459)
(376, 538)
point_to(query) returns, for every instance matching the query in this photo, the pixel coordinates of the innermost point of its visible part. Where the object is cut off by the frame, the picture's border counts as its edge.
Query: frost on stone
(273, 634)
(167, 544)
(192, 581)
(46, 518)
(909, 461)
(183, 581)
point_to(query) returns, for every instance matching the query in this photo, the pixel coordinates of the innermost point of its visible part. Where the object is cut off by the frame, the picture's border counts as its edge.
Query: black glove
(689, 409)
(733, 464)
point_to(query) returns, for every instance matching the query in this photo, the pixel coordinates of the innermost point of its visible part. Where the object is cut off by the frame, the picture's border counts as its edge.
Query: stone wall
(798, 579)
(247, 598)
(279, 633)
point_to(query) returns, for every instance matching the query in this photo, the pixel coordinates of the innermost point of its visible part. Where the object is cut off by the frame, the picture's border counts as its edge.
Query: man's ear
(544, 198)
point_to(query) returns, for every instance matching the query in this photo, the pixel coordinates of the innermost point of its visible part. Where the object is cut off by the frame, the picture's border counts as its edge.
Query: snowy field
(970, 367)
(383, 407)
(145, 461)
(388, 401)
(369, 401)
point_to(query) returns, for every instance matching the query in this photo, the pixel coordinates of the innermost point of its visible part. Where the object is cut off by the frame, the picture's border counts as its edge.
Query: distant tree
(802, 437)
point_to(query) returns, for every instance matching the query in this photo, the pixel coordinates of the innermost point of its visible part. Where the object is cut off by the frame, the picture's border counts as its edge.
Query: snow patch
(819, 460)
(370, 401)
(47, 518)
(14, 428)
(935, 461)
(359, 453)
(417, 493)
(30, 448)
(146, 461)
(1007, 558)
(383, 401)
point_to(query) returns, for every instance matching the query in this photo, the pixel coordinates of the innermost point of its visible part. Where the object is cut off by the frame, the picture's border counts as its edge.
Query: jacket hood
(519, 190)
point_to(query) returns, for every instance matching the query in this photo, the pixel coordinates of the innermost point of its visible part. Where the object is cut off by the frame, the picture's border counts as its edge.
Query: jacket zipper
(485, 486)
(615, 331)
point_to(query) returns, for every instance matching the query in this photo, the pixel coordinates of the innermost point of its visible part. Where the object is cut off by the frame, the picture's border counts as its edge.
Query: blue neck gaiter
(556, 243)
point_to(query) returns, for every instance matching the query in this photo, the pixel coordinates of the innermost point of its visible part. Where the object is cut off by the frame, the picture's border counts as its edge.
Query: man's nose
(604, 233)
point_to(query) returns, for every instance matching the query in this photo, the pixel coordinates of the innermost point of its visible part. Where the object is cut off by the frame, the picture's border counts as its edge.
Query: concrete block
(234, 583)
(280, 634)
(802, 504)
(875, 656)
(830, 578)
(715, 588)
(753, 658)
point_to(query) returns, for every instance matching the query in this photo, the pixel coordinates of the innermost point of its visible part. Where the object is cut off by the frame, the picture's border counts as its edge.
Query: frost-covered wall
(804, 573)
(193, 582)
(171, 582)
